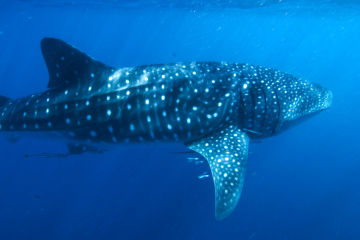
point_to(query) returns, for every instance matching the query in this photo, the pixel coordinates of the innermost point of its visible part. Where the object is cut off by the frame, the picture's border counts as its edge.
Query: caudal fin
(3, 100)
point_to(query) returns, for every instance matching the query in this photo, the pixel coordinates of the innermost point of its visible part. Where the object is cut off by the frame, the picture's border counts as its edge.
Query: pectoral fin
(226, 152)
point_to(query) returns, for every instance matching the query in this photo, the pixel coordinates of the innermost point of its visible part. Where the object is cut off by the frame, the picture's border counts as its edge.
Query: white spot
(87, 103)
(90, 88)
(132, 127)
(66, 92)
(148, 118)
(245, 86)
(195, 108)
(169, 126)
(47, 111)
(188, 120)
(108, 112)
(127, 92)
(68, 121)
(147, 101)
(66, 106)
(88, 117)
(128, 106)
(163, 97)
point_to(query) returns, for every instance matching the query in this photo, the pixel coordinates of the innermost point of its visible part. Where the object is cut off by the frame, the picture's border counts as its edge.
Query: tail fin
(3, 100)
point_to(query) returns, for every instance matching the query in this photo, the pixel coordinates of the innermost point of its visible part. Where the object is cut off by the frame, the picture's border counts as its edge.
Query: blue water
(302, 184)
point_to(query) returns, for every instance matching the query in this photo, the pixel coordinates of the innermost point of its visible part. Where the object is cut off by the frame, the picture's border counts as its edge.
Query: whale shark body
(214, 108)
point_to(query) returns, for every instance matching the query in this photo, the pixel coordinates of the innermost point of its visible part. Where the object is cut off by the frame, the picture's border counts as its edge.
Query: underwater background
(301, 184)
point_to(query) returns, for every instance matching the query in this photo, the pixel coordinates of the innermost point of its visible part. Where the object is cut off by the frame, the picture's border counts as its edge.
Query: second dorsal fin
(67, 65)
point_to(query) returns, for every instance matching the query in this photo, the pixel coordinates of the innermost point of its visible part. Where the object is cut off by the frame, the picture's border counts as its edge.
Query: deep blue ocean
(301, 184)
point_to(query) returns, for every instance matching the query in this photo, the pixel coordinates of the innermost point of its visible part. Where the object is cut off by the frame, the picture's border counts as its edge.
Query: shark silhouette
(214, 108)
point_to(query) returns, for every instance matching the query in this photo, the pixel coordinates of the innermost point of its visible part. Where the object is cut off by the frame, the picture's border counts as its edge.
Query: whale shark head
(301, 99)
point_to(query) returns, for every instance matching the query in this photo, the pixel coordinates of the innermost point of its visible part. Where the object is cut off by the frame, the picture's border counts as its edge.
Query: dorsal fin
(3, 100)
(67, 65)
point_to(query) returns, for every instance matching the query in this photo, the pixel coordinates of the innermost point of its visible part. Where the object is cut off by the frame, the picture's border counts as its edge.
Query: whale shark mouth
(324, 102)
(328, 98)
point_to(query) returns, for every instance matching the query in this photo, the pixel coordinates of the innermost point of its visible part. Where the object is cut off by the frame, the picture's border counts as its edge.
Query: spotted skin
(226, 151)
(211, 107)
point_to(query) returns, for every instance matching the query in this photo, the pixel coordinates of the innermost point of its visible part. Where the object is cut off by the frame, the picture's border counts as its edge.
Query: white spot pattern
(227, 166)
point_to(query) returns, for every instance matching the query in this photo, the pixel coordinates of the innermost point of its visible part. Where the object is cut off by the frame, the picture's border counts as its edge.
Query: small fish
(204, 175)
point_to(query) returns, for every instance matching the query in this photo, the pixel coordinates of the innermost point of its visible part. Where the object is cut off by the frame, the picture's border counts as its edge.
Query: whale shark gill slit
(67, 65)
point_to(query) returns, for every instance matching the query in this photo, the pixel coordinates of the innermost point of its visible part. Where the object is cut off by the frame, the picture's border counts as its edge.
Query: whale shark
(213, 108)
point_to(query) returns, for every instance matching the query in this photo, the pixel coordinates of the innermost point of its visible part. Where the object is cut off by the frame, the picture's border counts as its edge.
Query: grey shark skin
(214, 108)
